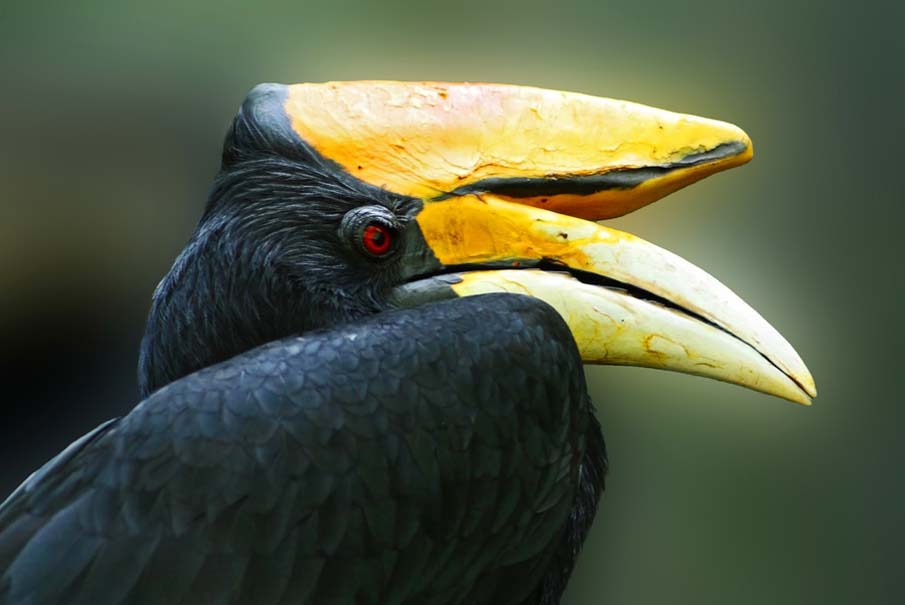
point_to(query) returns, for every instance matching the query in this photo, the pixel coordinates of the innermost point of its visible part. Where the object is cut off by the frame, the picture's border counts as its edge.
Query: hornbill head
(340, 200)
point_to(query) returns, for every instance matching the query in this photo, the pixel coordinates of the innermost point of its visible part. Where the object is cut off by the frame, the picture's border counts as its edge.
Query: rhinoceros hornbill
(331, 416)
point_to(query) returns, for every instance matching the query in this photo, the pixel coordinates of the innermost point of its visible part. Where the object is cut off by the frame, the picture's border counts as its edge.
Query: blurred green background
(111, 119)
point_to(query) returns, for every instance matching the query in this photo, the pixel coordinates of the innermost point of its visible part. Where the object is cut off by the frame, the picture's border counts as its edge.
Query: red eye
(377, 239)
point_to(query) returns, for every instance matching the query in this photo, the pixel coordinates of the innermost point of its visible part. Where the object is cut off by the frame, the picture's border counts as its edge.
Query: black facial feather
(267, 259)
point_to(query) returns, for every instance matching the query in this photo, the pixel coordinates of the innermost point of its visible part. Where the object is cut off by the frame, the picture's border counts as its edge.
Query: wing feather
(407, 458)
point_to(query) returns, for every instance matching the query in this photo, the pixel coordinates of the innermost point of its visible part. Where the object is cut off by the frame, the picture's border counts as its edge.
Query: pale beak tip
(802, 377)
(810, 388)
(806, 391)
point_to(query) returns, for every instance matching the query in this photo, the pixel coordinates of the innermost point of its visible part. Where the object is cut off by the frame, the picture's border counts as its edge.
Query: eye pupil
(377, 239)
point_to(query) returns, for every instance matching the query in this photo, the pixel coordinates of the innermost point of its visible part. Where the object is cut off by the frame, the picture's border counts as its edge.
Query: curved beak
(627, 301)
(507, 176)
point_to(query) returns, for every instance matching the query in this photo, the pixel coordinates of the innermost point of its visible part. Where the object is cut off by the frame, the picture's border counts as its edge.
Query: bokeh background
(111, 119)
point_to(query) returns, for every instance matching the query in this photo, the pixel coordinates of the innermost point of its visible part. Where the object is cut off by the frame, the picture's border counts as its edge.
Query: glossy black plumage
(441, 454)
(431, 455)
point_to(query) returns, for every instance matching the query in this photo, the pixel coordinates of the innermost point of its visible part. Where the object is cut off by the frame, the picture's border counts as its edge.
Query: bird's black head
(288, 242)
